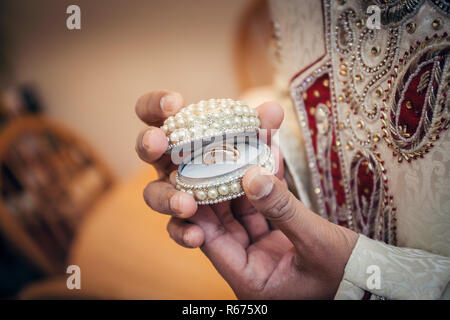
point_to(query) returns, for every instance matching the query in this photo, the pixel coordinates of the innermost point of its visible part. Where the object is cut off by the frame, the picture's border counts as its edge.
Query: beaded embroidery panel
(377, 98)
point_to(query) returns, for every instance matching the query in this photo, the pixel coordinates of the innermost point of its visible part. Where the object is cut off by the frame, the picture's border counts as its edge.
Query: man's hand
(303, 257)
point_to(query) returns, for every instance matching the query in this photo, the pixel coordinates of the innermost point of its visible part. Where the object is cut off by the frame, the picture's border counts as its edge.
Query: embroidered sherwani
(367, 105)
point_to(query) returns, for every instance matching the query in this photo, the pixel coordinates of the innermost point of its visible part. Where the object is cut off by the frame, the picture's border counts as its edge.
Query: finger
(230, 223)
(225, 252)
(271, 116)
(154, 107)
(252, 220)
(172, 178)
(271, 197)
(186, 234)
(151, 144)
(162, 197)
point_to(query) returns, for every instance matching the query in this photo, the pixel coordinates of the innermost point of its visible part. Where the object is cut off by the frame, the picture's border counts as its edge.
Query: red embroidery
(317, 98)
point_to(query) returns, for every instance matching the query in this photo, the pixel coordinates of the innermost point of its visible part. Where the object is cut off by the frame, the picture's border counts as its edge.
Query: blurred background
(71, 182)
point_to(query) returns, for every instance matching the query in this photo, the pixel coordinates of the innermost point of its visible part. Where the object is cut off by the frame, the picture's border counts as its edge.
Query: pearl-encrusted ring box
(215, 142)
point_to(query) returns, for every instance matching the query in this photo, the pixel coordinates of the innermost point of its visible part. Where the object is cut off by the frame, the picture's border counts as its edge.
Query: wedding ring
(220, 154)
(225, 187)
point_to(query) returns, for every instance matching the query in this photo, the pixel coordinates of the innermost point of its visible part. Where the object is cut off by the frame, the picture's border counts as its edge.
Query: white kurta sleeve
(403, 273)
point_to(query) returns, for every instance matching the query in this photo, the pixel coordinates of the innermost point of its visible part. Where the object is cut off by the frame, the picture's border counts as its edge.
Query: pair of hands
(266, 244)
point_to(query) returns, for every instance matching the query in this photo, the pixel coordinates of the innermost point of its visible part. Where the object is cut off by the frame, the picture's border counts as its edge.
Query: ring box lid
(208, 119)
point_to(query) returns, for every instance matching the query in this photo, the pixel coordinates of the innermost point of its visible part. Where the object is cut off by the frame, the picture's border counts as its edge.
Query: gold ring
(220, 154)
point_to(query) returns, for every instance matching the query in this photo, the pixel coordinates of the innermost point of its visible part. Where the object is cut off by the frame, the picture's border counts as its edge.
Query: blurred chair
(49, 179)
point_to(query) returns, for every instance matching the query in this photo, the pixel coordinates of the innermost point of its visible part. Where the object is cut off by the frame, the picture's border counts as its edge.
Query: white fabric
(404, 273)
(421, 189)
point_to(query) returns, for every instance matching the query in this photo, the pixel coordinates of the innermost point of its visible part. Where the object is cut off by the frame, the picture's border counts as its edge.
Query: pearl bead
(200, 195)
(194, 131)
(212, 193)
(170, 119)
(203, 117)
(252, 121)
(171, 126)
(216, 114)
(257, 122)
(178, 116)
(190, 119)
(245, 111)
(165, 128)
(200, 109)
(174, 137)
(216, 125)
(235, 187)
(237, 110)
(227, 112)
(181, 134)
(245, 121)
(180, 123)
(191, 107)
(223, 190)
(190, 192)
(237, 120)
(227, 123)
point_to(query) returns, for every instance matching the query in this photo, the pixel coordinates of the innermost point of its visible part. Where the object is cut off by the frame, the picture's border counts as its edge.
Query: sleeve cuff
(393, 273)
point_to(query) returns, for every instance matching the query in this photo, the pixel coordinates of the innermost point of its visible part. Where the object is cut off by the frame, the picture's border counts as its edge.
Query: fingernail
(168, 103)
(260, 183)
(147, 140)
(177, 202)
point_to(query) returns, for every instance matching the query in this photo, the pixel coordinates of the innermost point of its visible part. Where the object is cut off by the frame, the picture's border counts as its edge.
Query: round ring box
(215, 142)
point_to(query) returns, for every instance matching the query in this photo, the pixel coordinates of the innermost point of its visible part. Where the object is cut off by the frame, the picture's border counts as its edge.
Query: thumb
(272, 198)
